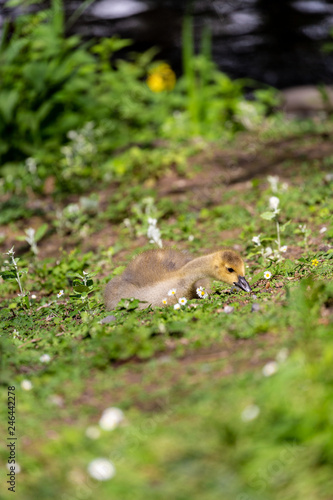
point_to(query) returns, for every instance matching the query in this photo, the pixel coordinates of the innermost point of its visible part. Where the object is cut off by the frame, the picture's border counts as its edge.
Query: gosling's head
(229, 268)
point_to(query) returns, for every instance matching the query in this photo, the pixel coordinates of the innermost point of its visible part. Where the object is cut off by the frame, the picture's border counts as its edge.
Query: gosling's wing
(154, 265)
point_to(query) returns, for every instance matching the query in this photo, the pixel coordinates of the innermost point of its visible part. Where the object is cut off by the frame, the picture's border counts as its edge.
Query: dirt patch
(234, 166)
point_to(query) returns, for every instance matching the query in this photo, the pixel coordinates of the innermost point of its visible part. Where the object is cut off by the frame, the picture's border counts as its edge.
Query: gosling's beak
(243, 284)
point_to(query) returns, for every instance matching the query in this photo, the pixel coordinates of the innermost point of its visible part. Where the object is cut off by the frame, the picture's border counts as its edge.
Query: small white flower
(323, 230)
(284, 249)
(30, 232)
(191, 237)
(267, 252)
(101, 469)
(60, 293)
(176, 306)
(273, 181)
(93, 432)
(26, 385)
(201, 292)
(329, 177)
(250, 413)
(56, 400)
(228, 309)
(164, 301)
(45, 358)
(33, 296)
(16, 466)
(10, 252)
(270, 368)
(267, 275)
(153, 233)
(172, 292)
(256, 240)
(282, 355)
(274, 203)
(182, 301)
(31, 165)
(111, 418)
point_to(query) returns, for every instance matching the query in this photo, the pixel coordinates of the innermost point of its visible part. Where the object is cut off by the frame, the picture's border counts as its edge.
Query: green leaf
(8, 101)
(81, 289)
(41, 231)
(129, 304)
(267, 215)
(283, 227)
(133, 305)
(8, 275)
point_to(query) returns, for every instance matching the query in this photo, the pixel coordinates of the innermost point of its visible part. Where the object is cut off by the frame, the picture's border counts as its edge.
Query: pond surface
(279, 42)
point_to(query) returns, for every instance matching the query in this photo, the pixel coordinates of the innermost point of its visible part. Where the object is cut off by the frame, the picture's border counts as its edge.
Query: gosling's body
(152, 274)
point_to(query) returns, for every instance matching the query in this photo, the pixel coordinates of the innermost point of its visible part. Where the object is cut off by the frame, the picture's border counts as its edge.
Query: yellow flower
(161, 78)
(315, 262)
(164, 301)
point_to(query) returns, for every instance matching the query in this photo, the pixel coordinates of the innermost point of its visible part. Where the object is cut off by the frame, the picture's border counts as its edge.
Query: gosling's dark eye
(230, 269)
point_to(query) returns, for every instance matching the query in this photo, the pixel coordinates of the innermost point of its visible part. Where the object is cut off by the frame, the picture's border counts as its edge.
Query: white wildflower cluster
(201, 292)
(75, 216)
(45, 358)
(26, 385)
(268, 252)
(101, 469)
(252, 411)
(31, 165)
(16, 271)
(274, 204)
(274, 184)
(247, 113)
(30, 238)
(80, 151)
(172, 293)
(111, 418)
(306, 232)
(153, 233)
(272, 366)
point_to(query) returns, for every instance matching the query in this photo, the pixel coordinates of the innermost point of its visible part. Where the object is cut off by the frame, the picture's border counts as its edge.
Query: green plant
(83, 286)
(13, 273)
(32, 237)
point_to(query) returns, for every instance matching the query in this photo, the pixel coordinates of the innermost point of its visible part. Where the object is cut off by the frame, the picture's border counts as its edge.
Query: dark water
(273, 41)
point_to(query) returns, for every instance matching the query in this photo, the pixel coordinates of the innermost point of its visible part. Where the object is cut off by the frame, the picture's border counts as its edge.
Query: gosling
(153, 273)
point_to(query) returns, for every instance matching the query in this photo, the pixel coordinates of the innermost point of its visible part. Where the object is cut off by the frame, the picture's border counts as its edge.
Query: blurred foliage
(70, 106)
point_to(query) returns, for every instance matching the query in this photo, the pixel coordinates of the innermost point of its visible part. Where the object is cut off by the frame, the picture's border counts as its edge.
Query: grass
(201, 417)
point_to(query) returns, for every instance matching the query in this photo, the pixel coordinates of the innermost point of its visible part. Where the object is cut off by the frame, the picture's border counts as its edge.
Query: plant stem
(17, 274)
(278, 234)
